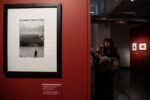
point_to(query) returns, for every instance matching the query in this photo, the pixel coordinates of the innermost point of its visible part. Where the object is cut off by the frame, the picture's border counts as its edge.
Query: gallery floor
(131, 86)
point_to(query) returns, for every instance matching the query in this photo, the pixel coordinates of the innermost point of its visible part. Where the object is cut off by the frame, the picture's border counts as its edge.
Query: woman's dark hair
(110, 41)
(103, 49)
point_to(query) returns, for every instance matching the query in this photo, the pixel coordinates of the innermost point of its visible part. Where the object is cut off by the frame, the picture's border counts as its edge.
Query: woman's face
(107, 44)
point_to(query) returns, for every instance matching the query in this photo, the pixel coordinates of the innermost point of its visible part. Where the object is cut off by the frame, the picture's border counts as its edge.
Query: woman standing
(104, 72)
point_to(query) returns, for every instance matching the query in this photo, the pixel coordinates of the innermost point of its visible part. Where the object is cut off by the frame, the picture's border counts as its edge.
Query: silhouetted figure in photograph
(35, 53)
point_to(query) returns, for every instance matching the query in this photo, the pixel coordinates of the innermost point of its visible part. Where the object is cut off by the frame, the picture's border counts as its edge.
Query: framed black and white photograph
(134, 46)
(142, 46)
(32, 40)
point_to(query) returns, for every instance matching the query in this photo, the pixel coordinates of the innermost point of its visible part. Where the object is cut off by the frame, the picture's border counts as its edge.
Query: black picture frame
(30, 74)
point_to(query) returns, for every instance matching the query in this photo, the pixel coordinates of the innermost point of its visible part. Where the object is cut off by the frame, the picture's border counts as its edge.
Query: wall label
(52, 89)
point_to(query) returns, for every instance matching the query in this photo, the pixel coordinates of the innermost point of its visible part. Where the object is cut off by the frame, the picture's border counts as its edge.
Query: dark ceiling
(136, 11)
(139, 9)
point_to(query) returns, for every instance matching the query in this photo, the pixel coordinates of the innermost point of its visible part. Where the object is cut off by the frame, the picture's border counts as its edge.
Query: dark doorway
(116, 19)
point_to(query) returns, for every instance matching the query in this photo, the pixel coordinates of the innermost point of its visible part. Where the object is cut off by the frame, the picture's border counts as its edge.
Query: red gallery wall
(75, 53)
(140, 60)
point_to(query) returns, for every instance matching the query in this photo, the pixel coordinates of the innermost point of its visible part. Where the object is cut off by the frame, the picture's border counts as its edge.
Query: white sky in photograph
(31, 26)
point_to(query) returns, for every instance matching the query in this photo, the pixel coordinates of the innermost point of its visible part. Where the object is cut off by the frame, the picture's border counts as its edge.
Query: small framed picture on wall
(32, 40)
(134, 46)
(142, 46)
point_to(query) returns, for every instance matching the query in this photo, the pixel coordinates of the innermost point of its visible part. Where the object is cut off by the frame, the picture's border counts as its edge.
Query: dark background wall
(75, 54)
(99, 31)
(121, 35)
